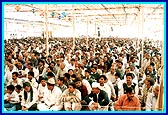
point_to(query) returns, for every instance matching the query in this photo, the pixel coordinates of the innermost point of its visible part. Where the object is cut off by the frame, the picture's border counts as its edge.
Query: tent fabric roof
(124, 19)
(113, 14)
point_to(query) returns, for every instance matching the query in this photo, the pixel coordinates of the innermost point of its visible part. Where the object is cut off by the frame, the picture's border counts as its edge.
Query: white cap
(51, 81)
(95, 85)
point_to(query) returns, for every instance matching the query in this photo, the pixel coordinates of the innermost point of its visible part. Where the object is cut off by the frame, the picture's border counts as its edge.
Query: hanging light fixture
(33, 10)
(69, 19)
(17, 8)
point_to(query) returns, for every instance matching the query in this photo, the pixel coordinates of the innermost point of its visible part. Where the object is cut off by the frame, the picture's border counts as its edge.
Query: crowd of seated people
(107, 74)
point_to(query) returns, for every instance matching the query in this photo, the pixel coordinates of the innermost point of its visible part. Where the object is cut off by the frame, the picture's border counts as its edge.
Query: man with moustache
(128, 101)
(15, 80)
(127, 84)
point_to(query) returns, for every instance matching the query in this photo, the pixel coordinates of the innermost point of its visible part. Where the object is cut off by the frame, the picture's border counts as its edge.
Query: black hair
(130, 90)
(16, 73)
(30, 64)
(118, 74)
(105, 78)
(61, 78)
(43, 79)
(73, 75)
(52, 62)
(26, 84)
(120, 62)
(70, 70)
(130, 74)
(87, 71)
(18, 87)
(49, 56)
(67, 75)
(72, 59)
(42, 61)
(31, 91)
(72, 84)
(11, 87)
(77, 79)
(94, 66)
(31, 73)
(50, 74)
(51, 68)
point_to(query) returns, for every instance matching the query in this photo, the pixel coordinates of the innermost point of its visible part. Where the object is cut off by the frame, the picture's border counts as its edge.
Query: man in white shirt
(42, 89)
(11, 98)
(62, 70)
(31, 68)
(18, 89)
(31, 79)
(104, 86)
(15, 80)
(8, 74)
(152, 99)
(111, 75)
(120, 69)
(128, 70)
(71, 65)
(51, 97)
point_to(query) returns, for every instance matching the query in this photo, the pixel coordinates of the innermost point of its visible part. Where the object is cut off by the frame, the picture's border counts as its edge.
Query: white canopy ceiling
(109, 17)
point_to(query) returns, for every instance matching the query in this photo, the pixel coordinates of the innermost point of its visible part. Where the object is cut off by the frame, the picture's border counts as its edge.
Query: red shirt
(83, 90)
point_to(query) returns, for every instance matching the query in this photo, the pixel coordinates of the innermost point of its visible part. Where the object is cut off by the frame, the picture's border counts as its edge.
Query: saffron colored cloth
(123, 103)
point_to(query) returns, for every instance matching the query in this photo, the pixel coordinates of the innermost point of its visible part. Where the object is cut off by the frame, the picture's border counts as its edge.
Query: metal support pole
(46, 25)
(159, 105)
(73, 25)
(87, 32)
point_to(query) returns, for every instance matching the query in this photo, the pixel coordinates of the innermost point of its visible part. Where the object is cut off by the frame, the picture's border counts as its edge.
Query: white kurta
(109, 83)
(50, 98)
(111, 77)
(42, 90)
(151, 102)
(33, 82)
(36, 72)
(14, 97)
(19, 82)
